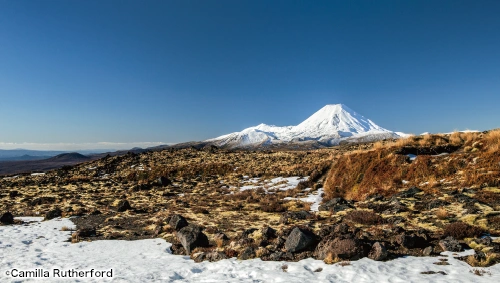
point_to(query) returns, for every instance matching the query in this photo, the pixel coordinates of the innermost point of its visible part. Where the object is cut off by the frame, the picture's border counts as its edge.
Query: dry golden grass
(456, 138)
(403, 141)
(330, 259)
(442, 213)
(492, 140)
(490, 260)
(220, 243)
(379, 170)
(433, 181)
(378, 145)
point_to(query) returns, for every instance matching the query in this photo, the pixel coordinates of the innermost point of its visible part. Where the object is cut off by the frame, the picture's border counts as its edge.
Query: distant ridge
(72, 156)
(329, 126)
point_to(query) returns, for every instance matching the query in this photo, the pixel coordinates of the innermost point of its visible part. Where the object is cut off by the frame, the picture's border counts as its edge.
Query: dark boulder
(54, 213)
(247, 253)
(85, 232)
(411, 192)
(295, 215)
(248, 232)
(7, 218)
(123, 205)
(164, 181)
(344, 247)
(268, 232)
(406, 241)
(177, 222)
(335, 230)
(298, 240)
(192, 237)
(378, 252)
(450, 244)
(336, 205)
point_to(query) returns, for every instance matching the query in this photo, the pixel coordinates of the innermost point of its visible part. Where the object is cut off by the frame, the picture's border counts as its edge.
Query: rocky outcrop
(177, 222)
(298, 240)
(192, 237)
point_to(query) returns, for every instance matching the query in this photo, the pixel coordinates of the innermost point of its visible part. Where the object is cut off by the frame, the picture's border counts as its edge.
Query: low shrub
(461, 230)
(272, 205)
(364, 217)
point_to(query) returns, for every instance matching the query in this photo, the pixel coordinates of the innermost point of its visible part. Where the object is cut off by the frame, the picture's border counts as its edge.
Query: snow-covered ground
(279, 183)
(314, 198)
(43, 246)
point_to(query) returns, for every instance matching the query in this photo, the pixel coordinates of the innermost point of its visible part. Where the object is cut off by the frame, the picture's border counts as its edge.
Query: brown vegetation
(364, 217)
(460, 230)
(383, 169)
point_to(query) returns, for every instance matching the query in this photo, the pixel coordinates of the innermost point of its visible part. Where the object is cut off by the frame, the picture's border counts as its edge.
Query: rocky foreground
(214, 204)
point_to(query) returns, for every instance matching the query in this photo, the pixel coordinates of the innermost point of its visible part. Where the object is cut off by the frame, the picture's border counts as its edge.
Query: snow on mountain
(329, 126)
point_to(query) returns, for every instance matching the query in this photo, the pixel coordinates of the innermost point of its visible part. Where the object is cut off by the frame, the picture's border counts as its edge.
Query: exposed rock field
(418, 196)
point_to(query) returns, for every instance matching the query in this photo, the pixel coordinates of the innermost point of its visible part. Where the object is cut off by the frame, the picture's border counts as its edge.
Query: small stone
(123, 205)
(54, 213)
(378, 252)
(427, 251)
(215, 256)
(7, 218)
(198, 257)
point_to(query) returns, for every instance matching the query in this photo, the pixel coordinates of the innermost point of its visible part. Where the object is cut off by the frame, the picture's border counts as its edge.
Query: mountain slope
(329, 126)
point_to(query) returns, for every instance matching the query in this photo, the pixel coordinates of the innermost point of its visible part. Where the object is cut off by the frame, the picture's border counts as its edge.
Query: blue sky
(83, 72)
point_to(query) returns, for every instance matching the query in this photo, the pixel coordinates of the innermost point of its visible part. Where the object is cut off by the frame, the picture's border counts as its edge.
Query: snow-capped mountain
(329, 126)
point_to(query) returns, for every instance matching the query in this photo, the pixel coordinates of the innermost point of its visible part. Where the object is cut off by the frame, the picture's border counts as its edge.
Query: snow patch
(279, 183)
(43, 245)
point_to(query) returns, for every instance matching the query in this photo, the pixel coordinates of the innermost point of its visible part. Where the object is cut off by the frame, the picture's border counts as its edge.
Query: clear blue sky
(174, 71)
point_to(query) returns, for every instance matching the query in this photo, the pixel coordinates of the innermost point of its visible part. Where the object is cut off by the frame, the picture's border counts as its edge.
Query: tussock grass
(473, 162)
(461, 230)
(442, 213)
